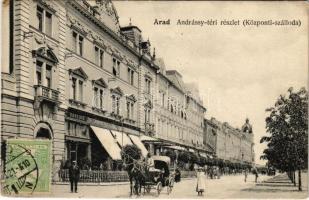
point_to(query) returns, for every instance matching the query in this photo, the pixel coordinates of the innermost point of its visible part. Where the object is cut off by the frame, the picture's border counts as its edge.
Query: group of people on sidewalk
(74, 174)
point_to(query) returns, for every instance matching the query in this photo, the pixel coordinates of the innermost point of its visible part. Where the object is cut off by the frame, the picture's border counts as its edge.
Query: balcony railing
(46, 93)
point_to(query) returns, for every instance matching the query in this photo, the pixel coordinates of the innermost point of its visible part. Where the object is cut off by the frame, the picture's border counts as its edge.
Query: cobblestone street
(226, 187)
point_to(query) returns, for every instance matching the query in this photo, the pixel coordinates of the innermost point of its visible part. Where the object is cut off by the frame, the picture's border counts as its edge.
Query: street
(226, 187)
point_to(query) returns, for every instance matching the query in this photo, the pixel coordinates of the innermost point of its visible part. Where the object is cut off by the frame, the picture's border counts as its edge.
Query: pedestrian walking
(74, 172)
(200, 185)
(246, 174)
(255, 172)
(177, 175)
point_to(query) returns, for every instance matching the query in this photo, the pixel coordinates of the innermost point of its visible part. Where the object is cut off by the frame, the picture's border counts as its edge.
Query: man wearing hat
(74, 176)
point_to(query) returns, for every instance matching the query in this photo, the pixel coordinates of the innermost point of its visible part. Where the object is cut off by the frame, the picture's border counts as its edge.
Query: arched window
(43, 133)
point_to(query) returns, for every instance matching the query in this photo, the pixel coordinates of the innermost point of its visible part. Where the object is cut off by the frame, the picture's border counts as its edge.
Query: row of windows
(98, 98)
(44, 24)
(44, 20)
(78, 42)
(171, 131)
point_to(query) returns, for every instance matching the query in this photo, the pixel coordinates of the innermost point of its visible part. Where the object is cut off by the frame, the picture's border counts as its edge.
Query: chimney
(133, 33)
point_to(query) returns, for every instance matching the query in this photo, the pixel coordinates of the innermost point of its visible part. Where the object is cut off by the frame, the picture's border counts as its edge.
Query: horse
(135, 173)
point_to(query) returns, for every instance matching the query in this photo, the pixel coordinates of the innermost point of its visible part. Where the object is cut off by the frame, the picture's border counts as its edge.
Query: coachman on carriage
(160, 176)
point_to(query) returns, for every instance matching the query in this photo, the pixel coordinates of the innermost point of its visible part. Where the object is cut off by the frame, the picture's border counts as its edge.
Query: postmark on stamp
(27, 167)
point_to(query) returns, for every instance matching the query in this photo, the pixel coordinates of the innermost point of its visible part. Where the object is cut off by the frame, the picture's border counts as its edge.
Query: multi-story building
(72, 75)
(210, 136)
(179, 110)
(231, 143)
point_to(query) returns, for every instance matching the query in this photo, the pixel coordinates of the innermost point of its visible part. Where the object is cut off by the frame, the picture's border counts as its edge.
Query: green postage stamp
(27, 167)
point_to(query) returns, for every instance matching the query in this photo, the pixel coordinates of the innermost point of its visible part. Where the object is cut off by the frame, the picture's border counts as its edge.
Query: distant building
(231, 143)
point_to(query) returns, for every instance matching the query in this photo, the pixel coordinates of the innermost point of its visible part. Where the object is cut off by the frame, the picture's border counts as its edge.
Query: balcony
(46, 93)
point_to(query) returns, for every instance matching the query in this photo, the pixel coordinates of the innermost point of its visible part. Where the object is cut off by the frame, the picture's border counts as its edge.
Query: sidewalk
(101, 183)
(279, 186)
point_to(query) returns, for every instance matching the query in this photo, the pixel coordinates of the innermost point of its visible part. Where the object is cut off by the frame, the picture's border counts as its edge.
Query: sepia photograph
(154, 99)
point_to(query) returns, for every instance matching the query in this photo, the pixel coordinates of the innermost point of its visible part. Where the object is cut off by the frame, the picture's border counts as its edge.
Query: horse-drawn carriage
(141, 176)
(161, 176)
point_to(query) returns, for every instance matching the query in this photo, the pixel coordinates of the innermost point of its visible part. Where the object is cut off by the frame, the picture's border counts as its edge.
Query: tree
(184, 156)
(132, 151)
(287, 124)
(193, 158)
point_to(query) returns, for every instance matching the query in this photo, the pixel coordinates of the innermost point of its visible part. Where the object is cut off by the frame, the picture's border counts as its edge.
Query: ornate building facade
(74, 76)
(179, 110)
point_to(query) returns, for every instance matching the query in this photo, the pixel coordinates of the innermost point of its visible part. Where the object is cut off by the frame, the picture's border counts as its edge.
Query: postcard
(154, 99)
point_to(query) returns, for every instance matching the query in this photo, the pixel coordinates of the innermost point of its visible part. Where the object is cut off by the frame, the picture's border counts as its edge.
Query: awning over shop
(122, 137)
(136, 140)
(176, 148)
(148, 139)
(108, 142)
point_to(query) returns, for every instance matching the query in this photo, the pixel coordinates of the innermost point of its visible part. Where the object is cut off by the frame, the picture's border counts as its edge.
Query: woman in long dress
(200, 185)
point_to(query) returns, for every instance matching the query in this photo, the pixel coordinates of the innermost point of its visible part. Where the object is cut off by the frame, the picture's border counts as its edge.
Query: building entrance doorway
(43, 133)
(78, 151)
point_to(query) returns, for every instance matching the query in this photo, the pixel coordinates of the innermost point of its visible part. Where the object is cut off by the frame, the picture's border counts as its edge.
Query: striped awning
(136, 140)
(108, 142)
(122, 138)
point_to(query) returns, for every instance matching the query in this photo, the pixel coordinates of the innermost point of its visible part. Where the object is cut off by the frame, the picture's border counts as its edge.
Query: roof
(125, 28)
(176, 79)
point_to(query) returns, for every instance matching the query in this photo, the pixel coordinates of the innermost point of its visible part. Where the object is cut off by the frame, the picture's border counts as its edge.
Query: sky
(240, 70)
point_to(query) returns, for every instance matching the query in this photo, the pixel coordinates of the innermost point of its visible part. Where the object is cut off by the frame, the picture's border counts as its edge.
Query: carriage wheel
(159, 188)
(170, 186)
